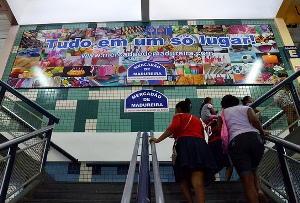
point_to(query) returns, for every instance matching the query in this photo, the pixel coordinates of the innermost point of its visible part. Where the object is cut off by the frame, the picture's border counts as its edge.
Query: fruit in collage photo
(191, 55)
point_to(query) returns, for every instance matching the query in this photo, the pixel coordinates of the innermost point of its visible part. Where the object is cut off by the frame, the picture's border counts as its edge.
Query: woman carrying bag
(246, 146)
(194, 163)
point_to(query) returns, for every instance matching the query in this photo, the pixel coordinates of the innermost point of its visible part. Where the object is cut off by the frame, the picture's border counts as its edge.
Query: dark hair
(205, 101)
(283, 74)
(185, 105)
(245, 99)
(229, 101)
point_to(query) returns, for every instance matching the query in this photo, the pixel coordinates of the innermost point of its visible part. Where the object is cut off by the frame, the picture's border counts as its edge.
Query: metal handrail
(130, 175)
(284, 143)
(12, 152)
(37, 132)
(34, 105)
(143, 195)
(280, 144)
(18, 118)
(26, 137)
(273, 193)
(159, 195)
(288, 81)
(63, 152)
(52, 118)
(273, 119)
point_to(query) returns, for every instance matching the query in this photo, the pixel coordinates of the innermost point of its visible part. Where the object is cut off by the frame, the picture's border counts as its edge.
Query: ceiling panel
(75, 11)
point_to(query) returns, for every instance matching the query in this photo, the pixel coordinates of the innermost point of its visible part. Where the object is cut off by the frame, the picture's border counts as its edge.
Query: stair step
(79, 196)
(85, 186)
(118, 201)
(77, 192)
(29, 200)
(171, 191)
(218, 195)
(46, 194)
(217, 185)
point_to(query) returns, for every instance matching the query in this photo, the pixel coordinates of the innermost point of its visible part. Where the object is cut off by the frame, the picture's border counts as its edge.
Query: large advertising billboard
(146, 55)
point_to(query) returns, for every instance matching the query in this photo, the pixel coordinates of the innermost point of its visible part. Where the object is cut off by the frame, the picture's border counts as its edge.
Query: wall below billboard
(100, 146)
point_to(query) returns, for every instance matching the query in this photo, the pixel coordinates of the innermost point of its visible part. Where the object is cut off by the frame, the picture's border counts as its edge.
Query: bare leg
(186, 189)
(295, 118)
(198, 184)
(291, 118)
(261, 196)
(228, 173)
(249, 188)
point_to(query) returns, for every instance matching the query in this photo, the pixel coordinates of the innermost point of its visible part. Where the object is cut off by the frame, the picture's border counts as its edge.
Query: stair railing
(6, 88)
(126, 197)
(19, 115)
(21, 166)
(279, 171)
(288, 81)
(272, 120)
(159, 195)
(143, 193)
(143, 188)
(271, 166)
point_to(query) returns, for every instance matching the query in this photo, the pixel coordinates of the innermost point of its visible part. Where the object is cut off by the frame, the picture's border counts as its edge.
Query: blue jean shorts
(246, 151)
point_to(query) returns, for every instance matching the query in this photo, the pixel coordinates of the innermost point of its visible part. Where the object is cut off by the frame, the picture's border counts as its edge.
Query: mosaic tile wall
(110, 173)
(101, 109)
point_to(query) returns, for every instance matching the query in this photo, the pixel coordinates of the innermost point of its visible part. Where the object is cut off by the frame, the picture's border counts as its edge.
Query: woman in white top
(283, 100)
(206, 109)
(246, 146)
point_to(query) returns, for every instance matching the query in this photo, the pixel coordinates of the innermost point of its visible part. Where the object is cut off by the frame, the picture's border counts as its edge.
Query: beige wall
(287, 41)
(8, 48)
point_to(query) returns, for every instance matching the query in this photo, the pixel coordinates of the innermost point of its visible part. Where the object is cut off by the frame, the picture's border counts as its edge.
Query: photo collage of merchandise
(251, 57)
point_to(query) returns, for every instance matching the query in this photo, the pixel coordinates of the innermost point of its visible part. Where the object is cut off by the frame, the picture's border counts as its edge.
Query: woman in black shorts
(246, 146)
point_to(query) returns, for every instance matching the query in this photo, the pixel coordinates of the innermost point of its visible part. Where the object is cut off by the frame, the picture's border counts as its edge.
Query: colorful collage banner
(146, 55)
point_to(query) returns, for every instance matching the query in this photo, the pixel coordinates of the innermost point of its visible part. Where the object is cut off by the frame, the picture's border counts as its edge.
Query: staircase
(219, 191)
(68, 192)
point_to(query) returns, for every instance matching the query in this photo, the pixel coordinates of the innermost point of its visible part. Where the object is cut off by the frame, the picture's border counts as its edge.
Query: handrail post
(159, 195)
(8, 171)
(47, 145)
(144, 178)
(130, 176)
(2, 93)
(289, 188)
(295, 97)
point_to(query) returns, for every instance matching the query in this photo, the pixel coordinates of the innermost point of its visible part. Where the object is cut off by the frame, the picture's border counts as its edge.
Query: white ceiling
(77, 11)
